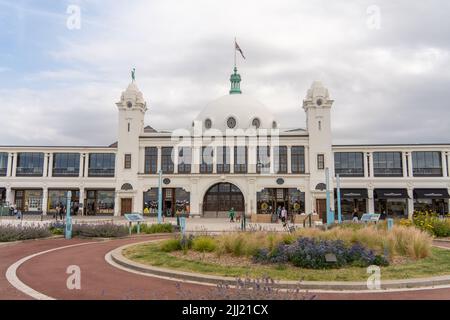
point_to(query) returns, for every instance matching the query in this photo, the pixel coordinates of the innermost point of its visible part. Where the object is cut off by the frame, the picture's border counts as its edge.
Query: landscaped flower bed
(10, 233)
(340, 253)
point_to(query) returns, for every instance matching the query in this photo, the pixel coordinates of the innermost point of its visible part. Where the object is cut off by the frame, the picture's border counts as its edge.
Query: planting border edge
(117, 259)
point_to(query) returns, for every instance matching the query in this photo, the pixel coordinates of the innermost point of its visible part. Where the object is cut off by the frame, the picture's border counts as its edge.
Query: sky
(386, 65)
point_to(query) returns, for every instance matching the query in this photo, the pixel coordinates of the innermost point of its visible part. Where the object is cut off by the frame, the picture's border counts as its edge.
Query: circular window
(129, 104)
(231, 122)
(166, 181)
(274, 125)
(256, 123)
(208, 123)
(280, 181)
(319, 102)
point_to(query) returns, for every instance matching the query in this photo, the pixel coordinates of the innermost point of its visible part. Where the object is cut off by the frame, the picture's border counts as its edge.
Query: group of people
(232, 215)
(282, 214)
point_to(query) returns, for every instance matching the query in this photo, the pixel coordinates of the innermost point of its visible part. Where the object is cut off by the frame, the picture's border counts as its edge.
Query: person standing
(355, 215)
(279, 212)
(283, 215)
(231, 214)
(62, 211)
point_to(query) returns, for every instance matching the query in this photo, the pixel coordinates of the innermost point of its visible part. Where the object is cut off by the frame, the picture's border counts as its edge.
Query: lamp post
(327, 182)
(338, 194)
(160, 197)
(68, 234)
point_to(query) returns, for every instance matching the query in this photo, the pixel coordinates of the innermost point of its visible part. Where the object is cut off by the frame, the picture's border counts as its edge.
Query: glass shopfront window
(102, 164)
(391, 203)
(184, 159)
(352, 199)
(167, 165)
(349, 164)
(29, 201)
(174, 201)
(280, 159)
(427, 164)
(387, 164)
(100, 202)
(66, 165)
(30, 164)
(240, 159)
(298, 159)
(263, 159)
(223, 160)
(151, 160)
(3, 163)
(434, 200)
(56, 197)
(269, 199)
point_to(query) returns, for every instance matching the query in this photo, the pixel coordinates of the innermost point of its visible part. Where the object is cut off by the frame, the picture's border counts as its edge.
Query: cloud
(389, 85)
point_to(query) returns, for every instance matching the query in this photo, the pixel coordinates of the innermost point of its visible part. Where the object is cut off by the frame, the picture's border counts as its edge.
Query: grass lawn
(436, 265)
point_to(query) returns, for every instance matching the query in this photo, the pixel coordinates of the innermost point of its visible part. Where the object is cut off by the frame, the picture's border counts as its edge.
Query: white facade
(233, 120)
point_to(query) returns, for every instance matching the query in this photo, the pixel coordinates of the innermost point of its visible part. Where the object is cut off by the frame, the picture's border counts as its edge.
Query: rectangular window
(280, 159)
(3, 163)
(320, 162)
(223, 160)
(298, 159)
(240, 159)
(263, 156)
(387, 164)
(101, 164)
(349, 164)
(30, 164)
(167, 160)
(127, 161)
(206, 165)
(66, 165)
(184, 159)
(427, 164)
(151, 160)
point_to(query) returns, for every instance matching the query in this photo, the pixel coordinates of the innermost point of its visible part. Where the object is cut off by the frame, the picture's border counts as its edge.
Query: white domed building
(235, 155)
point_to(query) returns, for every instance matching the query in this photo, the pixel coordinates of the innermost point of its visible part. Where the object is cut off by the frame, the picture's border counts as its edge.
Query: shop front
(352, 199)
(174, 201)
(435, 200)
(28, 201)
(58, 196)
(269, 199)
(100, 202)
(391, 203)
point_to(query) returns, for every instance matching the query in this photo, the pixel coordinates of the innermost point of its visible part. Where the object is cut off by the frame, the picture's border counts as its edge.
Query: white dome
(244, 109)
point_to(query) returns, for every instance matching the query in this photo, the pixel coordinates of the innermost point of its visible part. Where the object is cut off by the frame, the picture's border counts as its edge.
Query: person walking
(56, 214)
(62, 211)
(355, 215)
(279, 212)
(231, 214)
(283, 215)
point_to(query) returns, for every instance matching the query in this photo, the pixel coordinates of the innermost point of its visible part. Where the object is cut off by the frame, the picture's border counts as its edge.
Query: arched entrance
(220, 198)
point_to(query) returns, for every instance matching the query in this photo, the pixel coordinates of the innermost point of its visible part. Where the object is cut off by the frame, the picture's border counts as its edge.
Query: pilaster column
(45, 169)
(81, 200)
(195, 167)
(138, 202)
(410, 166)
(50, 165)
(214, 157)
(8, 167)
(9, 195)
(272, 168)
(307, 157)
(159, 159)
(410, 203)
(44, 201)
(404, 166)
(116, 205)
(81, 171)
(371, 201)
(175, 159)
(252, 158)
(231, 159)
(14, 164)
(86, 165)
(289, 169)
(371, 169)
(444, 164)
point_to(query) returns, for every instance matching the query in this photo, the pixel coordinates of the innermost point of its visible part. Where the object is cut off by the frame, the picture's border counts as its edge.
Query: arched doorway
(220, 198)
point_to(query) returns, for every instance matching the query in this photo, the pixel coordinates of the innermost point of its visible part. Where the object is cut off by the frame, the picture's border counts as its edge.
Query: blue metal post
(160, 197)
(68, 217)
(327, 182)
(338, 193)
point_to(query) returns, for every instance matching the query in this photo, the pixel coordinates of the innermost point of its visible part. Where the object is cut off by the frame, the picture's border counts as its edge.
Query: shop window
(349, 164)
(151, 160)
(427, 164)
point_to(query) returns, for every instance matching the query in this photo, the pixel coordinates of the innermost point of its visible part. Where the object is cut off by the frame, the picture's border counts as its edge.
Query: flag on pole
(239, 49)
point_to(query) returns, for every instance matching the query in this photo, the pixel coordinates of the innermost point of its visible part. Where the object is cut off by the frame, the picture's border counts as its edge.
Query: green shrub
(430, 222)
(171, 245)
(154, 228)
(10, 233)
(204, 244)
(56, 231)
(441, 228)
(104, 230)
